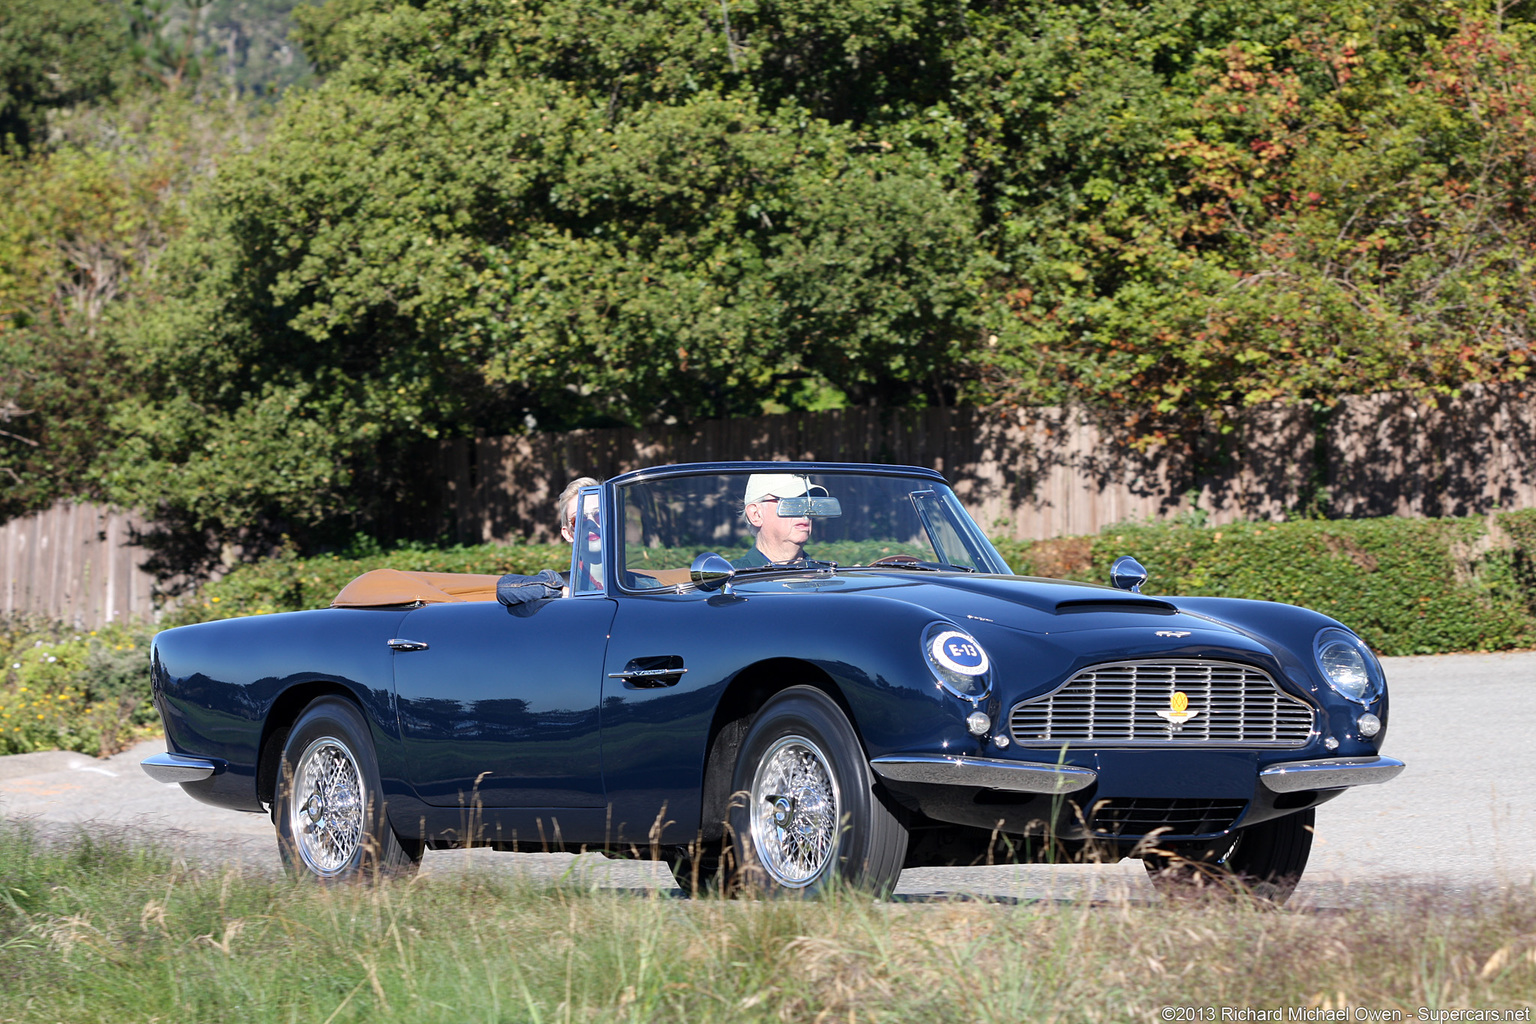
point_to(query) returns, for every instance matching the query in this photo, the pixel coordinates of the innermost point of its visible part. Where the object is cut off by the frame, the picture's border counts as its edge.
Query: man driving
(779, 538)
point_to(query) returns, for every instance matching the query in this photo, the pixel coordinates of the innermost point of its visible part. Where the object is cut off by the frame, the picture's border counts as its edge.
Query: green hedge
(1409, 586)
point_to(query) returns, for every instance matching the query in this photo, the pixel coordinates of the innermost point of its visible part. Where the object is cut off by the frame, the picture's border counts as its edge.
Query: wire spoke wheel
(806, 813)
(328, 804)
(795, 812)
(328, 807)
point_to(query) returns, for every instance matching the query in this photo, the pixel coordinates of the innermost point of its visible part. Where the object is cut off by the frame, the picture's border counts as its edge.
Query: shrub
(74, 690)
(1407, 586)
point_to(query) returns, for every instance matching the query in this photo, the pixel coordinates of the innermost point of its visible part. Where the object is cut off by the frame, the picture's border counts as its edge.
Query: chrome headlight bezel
(958, 661)
(1348, 666)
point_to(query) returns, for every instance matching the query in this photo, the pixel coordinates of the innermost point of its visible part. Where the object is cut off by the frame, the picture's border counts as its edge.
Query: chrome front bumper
(1330, 773)
(180, 767)
(985, 772)
(1035, 777)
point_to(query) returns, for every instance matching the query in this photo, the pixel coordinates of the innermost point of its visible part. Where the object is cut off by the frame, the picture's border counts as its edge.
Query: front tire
(1264, 860)
(329, 811)
(807, 811)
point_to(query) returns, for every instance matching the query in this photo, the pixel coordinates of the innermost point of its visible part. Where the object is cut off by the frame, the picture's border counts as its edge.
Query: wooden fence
(75, 563)
(1031, 474)
(1050, 472)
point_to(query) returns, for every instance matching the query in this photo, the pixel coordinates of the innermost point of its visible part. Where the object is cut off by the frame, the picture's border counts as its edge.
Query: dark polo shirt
(751, 559)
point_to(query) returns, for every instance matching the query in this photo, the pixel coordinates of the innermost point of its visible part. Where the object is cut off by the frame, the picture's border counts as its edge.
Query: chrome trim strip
(1330, 773)
(986, 772)
(170, 768)
(647, 673)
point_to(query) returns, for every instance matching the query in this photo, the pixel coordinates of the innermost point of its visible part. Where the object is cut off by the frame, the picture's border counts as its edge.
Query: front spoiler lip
(172, 768)
(983, 772)
(1330, 773)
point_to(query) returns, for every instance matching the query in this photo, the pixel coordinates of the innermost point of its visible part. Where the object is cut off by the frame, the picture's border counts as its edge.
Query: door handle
(652, 673)
(398, 644)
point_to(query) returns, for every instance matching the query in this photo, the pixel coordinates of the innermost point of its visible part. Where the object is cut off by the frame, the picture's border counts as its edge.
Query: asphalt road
(1461, 817)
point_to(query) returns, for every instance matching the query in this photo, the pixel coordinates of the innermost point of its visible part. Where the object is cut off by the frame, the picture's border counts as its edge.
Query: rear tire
(329, 811)
(1265, 861)
(806, 811)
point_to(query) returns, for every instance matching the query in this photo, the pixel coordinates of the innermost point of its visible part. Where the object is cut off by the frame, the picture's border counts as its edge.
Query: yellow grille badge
(1177, 712)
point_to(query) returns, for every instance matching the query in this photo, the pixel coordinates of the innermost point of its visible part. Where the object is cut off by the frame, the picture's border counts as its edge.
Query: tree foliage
(111, 126)
(501, 214)
(55, 54)
(1239, 203)
(496, 214)
(84, 222)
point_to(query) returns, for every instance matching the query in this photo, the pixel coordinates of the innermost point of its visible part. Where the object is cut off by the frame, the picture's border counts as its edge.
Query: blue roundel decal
(958, 652)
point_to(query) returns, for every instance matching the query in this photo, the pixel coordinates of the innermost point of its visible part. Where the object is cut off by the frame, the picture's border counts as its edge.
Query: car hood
(1024, 603)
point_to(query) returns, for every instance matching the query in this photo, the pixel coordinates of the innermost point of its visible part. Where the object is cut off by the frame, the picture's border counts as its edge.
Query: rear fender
(226, 690)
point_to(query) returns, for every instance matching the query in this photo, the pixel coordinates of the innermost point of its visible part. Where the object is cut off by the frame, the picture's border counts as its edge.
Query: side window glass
(587, 550)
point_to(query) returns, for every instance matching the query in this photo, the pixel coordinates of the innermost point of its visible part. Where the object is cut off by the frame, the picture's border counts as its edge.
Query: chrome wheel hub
(326, 810)
(795, 812)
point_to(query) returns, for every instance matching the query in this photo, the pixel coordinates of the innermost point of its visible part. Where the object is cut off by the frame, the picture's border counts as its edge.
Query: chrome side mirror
(1127, 574)
(711, 571)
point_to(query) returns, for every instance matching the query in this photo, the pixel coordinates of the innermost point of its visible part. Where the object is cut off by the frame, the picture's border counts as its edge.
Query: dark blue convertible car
(778, 675)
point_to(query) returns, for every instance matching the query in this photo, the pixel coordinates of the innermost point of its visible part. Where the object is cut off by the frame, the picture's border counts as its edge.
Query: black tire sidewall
(1271, 857)
(808, 712)
(339, 719)
(1267, 860)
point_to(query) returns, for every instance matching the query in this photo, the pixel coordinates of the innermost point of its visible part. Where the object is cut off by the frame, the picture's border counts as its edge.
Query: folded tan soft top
(379, 587)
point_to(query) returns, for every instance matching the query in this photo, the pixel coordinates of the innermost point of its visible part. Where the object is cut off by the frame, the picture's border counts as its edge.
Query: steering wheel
(897, 560)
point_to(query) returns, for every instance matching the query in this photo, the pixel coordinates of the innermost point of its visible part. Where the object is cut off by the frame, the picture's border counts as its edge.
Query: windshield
(795, 520)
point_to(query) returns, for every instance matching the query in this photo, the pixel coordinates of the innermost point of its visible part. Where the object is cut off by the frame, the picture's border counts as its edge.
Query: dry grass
(104, 931)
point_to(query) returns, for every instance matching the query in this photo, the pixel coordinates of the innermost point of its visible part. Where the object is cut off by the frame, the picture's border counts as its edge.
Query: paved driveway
(1463, 815)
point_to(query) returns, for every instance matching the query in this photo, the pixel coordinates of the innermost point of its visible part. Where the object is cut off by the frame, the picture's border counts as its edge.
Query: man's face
(777, 535)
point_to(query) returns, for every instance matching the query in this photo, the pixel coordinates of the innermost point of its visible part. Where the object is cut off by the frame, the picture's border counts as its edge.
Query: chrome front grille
(1118, 705)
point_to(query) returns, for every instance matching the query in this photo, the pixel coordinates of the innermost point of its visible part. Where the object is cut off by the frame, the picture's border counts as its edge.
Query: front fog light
(978, 723)
(1368, 724)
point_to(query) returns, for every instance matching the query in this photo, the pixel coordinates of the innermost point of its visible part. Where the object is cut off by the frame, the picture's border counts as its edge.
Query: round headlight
(958, 661)
(1348, 665)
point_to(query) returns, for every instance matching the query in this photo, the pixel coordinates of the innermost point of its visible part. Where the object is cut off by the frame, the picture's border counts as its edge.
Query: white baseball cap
(779, 485)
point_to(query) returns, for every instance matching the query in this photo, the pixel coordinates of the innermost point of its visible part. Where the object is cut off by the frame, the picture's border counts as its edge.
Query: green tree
(1227, 204)
(81, 229)
(55, 54)
(486, 219)
(498, 214)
